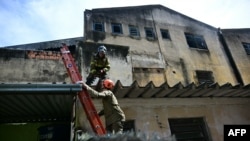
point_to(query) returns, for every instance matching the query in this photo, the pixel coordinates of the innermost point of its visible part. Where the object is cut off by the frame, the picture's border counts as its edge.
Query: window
(165, 34)
(247, 47)
(129, 125)
(134, 31)
(116, 28)
(189, 129)
(195, 41)
(149, 32)
(205, 77)
(98, 26)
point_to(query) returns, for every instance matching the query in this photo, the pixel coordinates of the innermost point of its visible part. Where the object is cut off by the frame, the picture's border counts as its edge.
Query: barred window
(149, 32)
(134, 31)
(189, 129)
(205, 77)
(129, 125)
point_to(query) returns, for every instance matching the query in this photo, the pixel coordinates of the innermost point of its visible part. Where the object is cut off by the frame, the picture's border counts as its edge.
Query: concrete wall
(39, 66)
(20, 66)
(178, 61)
(120, 62)
(234, 39)
(148, 112)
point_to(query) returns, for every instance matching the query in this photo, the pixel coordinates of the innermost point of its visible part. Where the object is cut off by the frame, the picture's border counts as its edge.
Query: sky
(32, 21)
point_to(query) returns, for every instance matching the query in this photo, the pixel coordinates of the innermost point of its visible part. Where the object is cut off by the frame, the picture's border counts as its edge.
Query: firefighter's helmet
(102, 49)
(108, 84)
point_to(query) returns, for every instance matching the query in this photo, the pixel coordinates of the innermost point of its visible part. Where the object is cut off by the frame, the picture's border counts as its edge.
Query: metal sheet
(36, 102)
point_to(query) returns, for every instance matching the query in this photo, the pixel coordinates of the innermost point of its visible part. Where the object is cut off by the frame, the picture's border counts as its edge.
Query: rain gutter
(39, 89)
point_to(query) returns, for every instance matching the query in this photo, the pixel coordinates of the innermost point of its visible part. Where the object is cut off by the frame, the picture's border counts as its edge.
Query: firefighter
(99, 65)
(114, 116)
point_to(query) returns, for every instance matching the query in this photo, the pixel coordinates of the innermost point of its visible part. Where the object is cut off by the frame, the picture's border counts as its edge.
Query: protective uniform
(99, 66)
(114, 116)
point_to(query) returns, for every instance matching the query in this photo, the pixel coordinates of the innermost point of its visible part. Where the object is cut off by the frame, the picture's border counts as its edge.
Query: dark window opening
(129, 126)
(98, 26)
(246, 47)
(147, 70)
(165, 34)
(134, 31)
(149, 32)
(189, 129)
(205, 77)
(195, 41)
(116, 28)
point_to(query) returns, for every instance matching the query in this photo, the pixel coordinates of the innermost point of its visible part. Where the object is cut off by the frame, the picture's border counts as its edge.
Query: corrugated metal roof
(36, 102)
(180, 91)
(53, 102)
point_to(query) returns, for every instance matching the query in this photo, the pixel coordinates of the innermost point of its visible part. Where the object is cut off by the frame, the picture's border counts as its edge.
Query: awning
(27, 89)
(36, 102)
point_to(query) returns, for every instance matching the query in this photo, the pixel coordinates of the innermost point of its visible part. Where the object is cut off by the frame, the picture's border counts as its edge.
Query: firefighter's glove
(102, 71)
(84, 85)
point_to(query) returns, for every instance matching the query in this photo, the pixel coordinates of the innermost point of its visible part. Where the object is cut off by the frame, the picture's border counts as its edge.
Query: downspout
(230, 57)
(160, 54)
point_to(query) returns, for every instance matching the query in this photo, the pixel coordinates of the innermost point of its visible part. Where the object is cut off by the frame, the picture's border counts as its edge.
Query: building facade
(166, 43)
(174, 75)
(167, 47)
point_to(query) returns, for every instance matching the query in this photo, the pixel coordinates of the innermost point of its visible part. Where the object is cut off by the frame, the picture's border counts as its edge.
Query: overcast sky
(31, 21)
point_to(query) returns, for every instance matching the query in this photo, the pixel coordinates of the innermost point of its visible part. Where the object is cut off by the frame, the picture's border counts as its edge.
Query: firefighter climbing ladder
(84, 96)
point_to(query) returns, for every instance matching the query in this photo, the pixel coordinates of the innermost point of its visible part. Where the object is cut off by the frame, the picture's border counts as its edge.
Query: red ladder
(84, 96)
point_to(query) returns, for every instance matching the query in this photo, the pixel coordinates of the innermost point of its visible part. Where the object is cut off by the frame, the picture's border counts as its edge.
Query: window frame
(204, 76)
(136, 31)
(165, 32)
(189, 128)
(196, 41)
(100, 24)
(149, 29)
(246, 47)
(116, 26)
(129, 125)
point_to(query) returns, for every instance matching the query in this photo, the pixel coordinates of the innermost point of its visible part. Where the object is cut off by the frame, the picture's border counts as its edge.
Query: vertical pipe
(230, 57)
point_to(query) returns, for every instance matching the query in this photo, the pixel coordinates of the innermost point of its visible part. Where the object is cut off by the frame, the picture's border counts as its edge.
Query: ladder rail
(84, 96)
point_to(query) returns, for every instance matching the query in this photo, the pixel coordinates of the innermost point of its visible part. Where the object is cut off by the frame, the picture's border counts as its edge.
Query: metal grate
(189, 129)
(205, 77)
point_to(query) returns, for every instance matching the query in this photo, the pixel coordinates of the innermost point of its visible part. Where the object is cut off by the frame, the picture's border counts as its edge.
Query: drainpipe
(230, 57)
(160, 55)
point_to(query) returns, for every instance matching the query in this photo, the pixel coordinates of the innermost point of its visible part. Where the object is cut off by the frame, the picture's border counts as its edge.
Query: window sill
(151, 38)
(135, 37)
(116, 34)
(199, 49)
